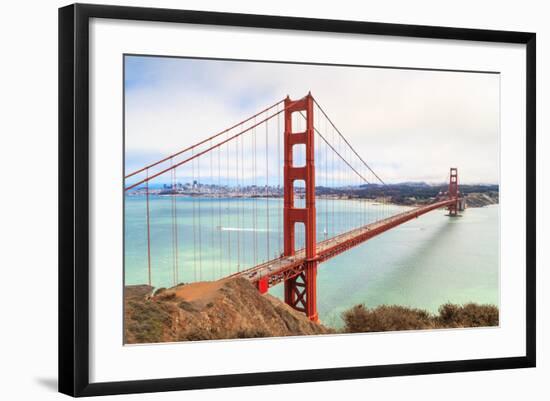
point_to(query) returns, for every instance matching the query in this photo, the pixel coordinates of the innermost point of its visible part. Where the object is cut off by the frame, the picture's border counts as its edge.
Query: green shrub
(360, 319)
(385, 318)
(469, 315)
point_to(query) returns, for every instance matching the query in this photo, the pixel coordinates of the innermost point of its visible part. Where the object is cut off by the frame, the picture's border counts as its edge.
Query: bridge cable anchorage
(202, 142)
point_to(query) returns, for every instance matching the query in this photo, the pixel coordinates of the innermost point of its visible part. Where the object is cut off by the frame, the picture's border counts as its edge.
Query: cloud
(409, 125)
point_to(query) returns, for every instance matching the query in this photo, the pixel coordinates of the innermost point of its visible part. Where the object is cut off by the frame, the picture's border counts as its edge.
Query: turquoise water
(423, 263)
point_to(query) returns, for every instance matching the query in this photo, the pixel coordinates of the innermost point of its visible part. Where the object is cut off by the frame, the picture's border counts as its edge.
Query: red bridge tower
(453, 192)
(301, 290)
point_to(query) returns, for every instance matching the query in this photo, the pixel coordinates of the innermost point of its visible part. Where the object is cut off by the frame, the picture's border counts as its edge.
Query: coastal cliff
(210, 311)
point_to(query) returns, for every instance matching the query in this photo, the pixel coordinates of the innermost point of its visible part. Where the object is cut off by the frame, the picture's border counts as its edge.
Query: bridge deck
(285, 267)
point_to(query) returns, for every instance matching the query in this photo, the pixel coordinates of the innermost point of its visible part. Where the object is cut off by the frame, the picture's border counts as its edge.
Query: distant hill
(414, 193)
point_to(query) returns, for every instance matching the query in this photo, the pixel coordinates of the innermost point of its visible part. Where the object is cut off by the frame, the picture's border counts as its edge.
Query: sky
(409, 125)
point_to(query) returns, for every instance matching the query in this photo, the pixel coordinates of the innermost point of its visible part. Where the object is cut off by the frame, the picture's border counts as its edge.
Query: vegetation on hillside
(235, 309)
(360, 319)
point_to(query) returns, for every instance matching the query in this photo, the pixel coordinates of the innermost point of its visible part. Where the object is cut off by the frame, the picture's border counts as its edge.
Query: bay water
(423, 263)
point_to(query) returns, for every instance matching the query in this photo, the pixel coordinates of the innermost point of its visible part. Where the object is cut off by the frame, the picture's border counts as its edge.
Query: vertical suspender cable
(148, 229)
(174, 226)
(254, 212)
(228, 211)
(212, 223)
(279, 164)
(172, 199)
(199, 221)
(220, 210)
(333, 179)
(238, 206)
(193, 189)
(340, 176)
(243, 203)
(326, 181)
(268, 253)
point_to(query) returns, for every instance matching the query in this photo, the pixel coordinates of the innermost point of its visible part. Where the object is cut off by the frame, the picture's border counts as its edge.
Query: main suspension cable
(351, 147)
(203, 141)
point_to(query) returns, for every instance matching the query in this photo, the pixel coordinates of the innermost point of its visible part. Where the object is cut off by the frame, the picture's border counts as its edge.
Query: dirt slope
(210, 310)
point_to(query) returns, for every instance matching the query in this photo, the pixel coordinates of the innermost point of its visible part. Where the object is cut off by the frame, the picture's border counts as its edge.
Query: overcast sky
(409, 125)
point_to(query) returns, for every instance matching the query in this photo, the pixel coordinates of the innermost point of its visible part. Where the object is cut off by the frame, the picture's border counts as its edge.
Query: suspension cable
(203, 141)
(337, 152)
(354, 151)
(203, 151)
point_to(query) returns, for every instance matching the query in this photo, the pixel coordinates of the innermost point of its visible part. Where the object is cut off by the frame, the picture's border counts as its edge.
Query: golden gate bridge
(293, 150)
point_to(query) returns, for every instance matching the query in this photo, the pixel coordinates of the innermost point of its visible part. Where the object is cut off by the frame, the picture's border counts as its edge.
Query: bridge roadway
(286, 267)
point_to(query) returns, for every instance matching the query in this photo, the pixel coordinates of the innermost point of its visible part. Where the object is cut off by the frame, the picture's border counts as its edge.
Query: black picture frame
(74, 198)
